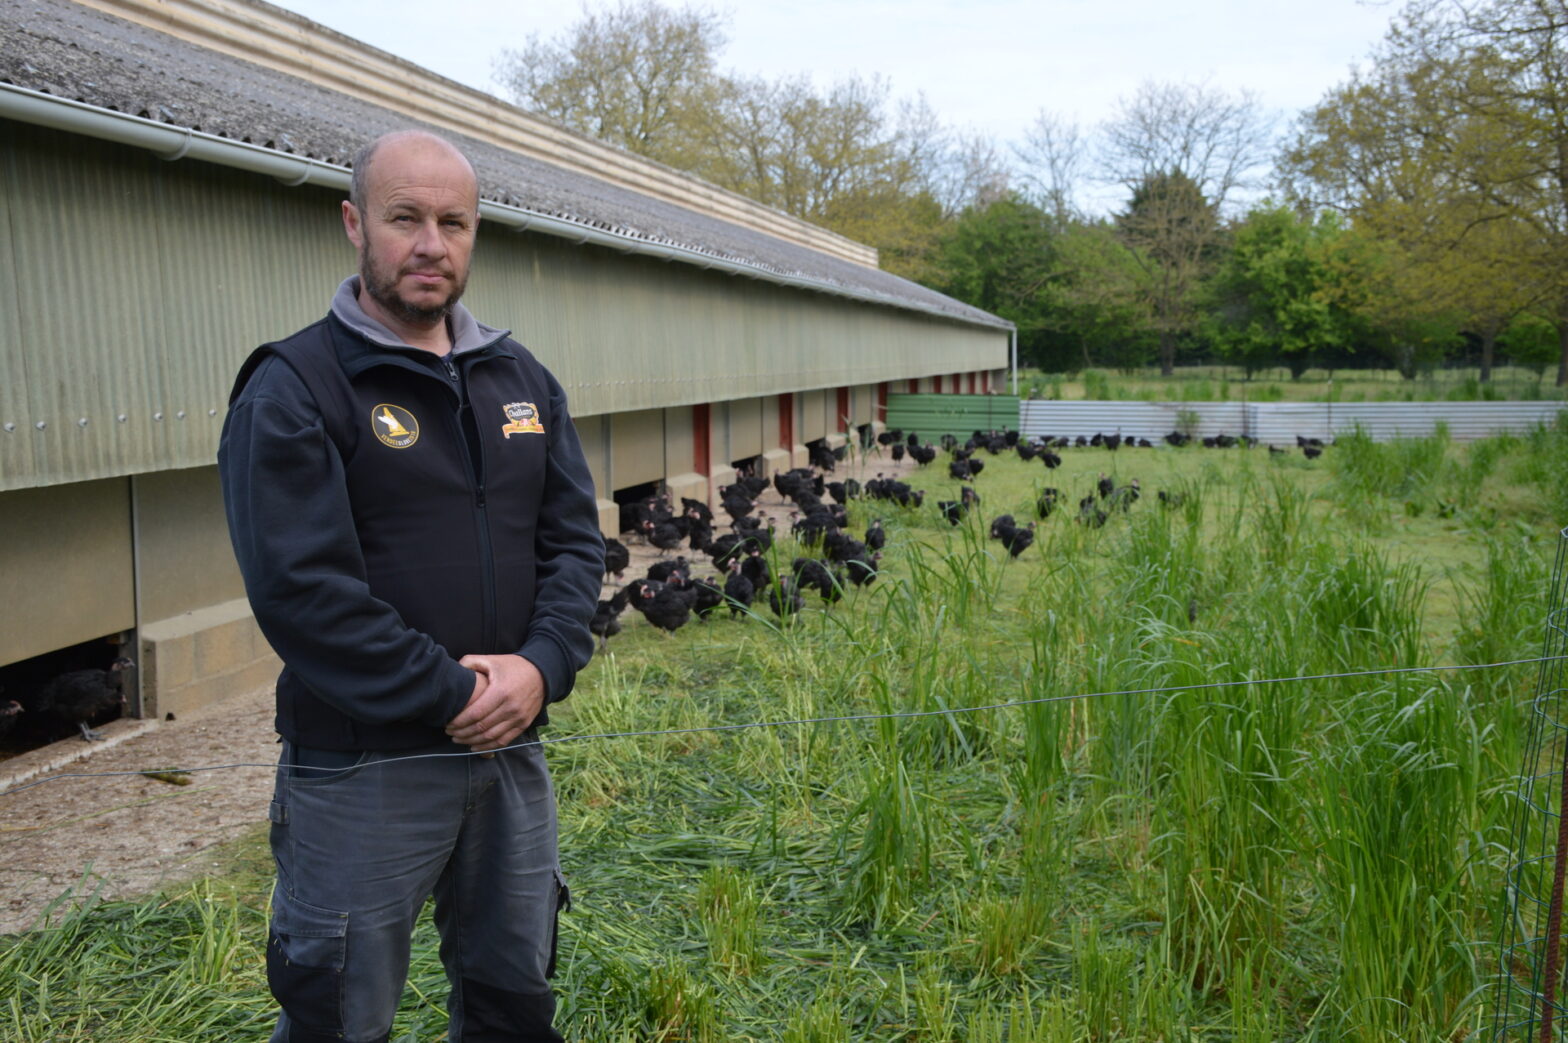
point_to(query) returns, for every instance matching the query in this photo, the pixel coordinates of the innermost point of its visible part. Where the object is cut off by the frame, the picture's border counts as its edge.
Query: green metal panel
(131, 287)
(932, 416)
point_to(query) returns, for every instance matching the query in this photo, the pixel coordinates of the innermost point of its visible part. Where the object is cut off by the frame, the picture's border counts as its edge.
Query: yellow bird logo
(394, 426)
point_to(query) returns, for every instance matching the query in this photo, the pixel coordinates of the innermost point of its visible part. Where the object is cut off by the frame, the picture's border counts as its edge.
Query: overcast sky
(987, 65)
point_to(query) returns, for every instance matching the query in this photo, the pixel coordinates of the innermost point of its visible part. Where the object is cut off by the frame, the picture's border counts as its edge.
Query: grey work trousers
(358, 851)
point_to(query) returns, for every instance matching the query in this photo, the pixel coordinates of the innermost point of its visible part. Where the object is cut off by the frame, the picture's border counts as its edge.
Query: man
(416, 527)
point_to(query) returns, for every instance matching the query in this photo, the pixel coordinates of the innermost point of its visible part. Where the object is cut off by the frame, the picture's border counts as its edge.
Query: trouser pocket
(305, 955)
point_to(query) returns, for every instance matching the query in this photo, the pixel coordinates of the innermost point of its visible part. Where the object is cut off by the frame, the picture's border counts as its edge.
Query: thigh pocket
(305, 952)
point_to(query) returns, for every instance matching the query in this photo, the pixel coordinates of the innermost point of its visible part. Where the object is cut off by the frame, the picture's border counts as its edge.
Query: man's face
(416, 233)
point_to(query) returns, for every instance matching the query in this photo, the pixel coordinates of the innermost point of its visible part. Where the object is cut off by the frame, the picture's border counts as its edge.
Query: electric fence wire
(750, 725)
(1529, 1006)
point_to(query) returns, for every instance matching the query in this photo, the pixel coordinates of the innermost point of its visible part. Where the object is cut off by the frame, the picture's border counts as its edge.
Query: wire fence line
(1529, 1000)
(795, 722)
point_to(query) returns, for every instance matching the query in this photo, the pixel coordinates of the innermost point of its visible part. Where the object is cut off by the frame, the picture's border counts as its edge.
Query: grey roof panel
(78, 53)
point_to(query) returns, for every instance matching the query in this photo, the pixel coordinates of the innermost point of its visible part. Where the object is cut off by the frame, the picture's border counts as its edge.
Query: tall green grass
(1262, 859)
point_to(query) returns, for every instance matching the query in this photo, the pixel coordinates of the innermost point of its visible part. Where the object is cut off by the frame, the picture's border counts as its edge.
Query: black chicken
(8, 715)
(710, 596)
(1045, 503)
(664, 571)
(785, 600)
(82, 695)
(815, 575)
(666, 606)
(606, 622)
(664, 535)
(738, 590)
(616, 558)
(1014, 538)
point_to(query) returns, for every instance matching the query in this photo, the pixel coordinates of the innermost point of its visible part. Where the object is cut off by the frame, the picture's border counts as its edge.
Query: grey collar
(467, 332)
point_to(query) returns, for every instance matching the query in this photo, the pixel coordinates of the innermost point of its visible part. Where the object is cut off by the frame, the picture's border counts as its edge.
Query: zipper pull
(451, 370)
(479, 497)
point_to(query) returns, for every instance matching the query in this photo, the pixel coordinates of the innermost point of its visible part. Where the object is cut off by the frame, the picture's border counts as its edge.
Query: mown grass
(1289, 860)
(1231, 384)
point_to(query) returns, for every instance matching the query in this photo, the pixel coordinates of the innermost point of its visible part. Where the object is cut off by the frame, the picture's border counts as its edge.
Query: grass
(1272, 861)
(1230, 384)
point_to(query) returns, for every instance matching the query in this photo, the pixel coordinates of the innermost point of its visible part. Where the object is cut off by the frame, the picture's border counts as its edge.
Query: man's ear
(351, 225)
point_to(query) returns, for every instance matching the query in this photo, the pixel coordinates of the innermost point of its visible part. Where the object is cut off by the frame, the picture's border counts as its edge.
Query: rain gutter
(171, 143)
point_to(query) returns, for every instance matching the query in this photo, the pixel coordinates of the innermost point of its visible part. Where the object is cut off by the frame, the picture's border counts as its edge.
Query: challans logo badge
(394, 426)
(522, 419)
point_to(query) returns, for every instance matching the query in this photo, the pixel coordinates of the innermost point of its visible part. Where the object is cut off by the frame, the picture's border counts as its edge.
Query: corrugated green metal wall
(932, 416)
(131, 289)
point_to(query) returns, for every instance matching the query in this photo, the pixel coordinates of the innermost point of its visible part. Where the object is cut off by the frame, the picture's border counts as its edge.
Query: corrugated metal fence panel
(1279, 423)
(1151, 420)
(1466, 421)
(932, 416)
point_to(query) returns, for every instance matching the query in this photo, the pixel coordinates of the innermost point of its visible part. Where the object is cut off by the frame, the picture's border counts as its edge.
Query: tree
(1271, 299)
(1097, 309)
(645, 77)
(1181, 151)
(1053, 154)
(1001, 257)
(1454, 146)
(1174, 232)
(639, 75)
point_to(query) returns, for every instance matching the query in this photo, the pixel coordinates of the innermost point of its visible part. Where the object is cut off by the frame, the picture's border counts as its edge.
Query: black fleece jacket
(373, 567)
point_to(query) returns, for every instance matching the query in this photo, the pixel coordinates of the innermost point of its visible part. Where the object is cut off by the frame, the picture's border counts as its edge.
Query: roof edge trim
(172, 143)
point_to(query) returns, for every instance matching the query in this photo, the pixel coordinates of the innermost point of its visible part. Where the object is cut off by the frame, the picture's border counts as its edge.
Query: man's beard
(383, 290)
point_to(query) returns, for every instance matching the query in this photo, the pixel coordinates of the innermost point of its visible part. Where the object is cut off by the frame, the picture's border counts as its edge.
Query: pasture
(1116, 855)
(1230, 384)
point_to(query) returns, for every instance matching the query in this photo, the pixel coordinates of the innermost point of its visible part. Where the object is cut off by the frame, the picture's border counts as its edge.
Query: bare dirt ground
(130, 834)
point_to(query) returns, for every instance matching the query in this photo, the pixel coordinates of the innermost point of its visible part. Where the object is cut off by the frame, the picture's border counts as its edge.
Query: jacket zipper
(481, 515)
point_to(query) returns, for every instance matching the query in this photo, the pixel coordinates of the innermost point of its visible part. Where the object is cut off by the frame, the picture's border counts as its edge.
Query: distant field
(1229, 384)
(1290, 860)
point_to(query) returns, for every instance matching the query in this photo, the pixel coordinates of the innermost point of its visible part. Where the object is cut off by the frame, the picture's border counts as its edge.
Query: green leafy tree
(1272, 298)
(1453, 146)
(1174, 233)
(1002, 256)
(1097, 310)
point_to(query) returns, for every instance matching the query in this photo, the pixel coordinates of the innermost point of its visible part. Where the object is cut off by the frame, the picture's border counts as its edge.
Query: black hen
(606, 622)
(8, 715)
(666, 606)
(785, 600)
(738, 590)
(82, 695)
(616, 558)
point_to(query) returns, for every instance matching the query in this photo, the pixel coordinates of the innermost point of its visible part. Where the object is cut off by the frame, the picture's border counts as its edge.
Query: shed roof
(82, 54)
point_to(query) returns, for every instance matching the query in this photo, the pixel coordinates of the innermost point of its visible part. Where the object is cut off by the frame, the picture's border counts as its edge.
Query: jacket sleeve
(569, 551)
(294, 538)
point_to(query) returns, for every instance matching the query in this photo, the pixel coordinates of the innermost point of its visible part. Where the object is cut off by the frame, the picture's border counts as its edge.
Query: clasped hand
(508, 694)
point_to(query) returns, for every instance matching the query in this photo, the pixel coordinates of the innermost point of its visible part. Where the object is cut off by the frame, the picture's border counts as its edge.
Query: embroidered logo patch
(394, 426)
(521, 419)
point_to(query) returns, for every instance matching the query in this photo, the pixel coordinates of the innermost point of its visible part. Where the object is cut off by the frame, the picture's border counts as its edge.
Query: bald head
(412, 213)
(400, 143)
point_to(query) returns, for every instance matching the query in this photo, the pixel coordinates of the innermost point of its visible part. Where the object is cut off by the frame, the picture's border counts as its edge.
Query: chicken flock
(746, 576)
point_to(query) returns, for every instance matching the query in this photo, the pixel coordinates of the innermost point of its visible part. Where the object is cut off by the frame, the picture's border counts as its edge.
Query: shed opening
(627, 500)
(60, 694)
